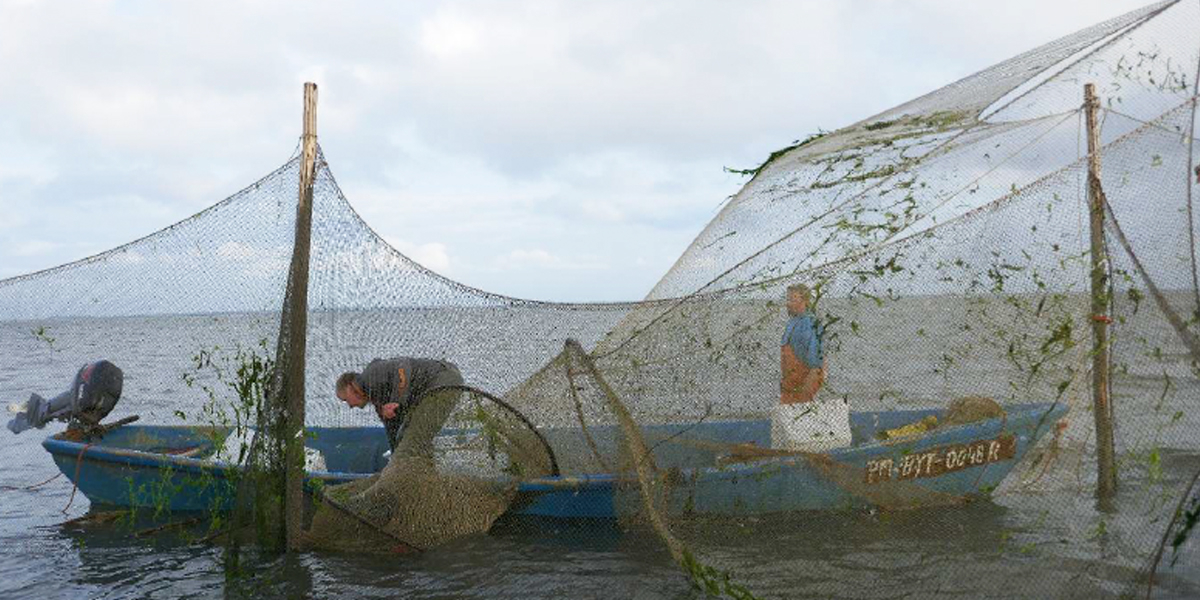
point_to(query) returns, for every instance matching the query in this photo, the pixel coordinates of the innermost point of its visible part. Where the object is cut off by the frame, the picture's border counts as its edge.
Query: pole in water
(1106, 483)
(297, 327)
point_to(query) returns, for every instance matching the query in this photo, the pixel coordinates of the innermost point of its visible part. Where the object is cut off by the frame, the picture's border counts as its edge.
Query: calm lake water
(1043, 540)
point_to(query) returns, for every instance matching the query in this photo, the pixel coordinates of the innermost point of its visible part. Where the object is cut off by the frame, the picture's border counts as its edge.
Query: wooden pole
(1106, 484)
(298, 327)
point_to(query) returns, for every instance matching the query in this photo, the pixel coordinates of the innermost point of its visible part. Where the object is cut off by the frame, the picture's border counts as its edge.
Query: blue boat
(171, 467)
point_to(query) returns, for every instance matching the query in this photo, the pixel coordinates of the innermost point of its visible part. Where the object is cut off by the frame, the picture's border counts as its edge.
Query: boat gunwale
(97, 452)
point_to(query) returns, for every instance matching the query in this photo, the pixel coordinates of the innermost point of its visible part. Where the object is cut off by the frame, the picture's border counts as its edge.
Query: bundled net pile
(946, 244)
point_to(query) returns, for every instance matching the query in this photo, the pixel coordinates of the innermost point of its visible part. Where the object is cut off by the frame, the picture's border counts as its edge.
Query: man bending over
(395, 387)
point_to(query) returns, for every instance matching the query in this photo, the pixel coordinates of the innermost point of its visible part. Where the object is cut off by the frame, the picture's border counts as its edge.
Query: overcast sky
(551, 150)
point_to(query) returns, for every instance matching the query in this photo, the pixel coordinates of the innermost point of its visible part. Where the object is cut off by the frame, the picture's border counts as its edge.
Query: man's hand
(388, 411)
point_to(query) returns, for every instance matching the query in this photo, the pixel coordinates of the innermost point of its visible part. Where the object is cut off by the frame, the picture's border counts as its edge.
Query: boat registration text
(941, 460)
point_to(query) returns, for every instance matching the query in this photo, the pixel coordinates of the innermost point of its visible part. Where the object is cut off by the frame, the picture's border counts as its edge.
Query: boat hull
(163, 468)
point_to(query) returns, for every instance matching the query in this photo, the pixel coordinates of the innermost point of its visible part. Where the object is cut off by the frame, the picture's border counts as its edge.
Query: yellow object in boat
(911, 429)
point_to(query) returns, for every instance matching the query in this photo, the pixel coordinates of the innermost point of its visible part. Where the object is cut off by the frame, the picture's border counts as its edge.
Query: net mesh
(946, 245)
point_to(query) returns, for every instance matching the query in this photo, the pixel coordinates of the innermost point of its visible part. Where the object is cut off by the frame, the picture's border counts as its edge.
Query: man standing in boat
(801, 421)
(398, 390)
(801, 353)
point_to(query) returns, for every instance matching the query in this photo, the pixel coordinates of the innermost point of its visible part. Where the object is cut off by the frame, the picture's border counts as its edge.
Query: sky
(550, 150)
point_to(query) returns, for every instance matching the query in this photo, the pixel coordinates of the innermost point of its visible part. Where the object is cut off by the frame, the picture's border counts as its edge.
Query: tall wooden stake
(298, 326)
(1106, 484)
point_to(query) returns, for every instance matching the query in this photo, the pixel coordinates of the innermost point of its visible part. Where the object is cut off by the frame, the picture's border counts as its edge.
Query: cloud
(479, 134)
(34, 248)
(449, 35)
(542, 260)
(431, 255)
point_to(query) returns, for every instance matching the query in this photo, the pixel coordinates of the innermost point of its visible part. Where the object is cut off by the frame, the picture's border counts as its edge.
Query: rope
(75, 482)
(13, 488)
(579, 413)
(1191, 136)
(1152, 124)
(1162, 545)
(1185, 335)
(1113, 37)
(647, 471)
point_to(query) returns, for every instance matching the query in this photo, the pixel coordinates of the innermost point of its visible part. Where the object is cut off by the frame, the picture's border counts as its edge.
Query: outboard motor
(92, 396)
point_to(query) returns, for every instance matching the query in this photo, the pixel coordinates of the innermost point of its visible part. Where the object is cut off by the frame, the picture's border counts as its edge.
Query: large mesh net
(946, 263)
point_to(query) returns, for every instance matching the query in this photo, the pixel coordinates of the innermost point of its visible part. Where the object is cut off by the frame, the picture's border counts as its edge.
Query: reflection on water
(1039, 546)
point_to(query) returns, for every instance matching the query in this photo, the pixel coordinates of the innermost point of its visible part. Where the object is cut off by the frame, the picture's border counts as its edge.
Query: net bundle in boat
(945, 251)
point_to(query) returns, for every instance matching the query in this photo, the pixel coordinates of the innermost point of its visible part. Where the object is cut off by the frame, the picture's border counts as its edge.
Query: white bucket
(816, 426)
(235, 443)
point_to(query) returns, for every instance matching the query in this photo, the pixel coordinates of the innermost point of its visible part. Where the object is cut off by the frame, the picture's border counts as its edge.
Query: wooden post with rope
(297, 315)
(1106, 484)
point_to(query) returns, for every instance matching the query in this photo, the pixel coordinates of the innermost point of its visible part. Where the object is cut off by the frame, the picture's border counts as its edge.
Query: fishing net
(951, 273)
(459, 487)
